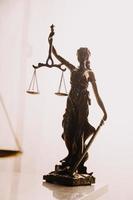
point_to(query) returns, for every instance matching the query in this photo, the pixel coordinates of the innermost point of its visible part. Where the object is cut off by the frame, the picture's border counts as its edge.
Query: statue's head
(83, 54)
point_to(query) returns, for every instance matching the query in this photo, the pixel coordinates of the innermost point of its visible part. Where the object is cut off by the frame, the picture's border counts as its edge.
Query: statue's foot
(60, 169)
(66, 159)
(82, 170)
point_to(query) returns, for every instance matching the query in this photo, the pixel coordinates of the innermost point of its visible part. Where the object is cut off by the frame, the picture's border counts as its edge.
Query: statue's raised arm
(62, 60)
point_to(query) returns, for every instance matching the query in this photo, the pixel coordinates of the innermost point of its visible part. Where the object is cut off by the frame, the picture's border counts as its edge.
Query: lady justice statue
(75, 120)
(77, 128)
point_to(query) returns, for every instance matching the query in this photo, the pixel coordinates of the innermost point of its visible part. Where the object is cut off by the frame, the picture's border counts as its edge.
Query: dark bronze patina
(77, 129)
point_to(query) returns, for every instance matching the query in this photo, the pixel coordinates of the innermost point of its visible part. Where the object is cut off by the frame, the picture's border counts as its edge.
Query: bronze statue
(75, 120)
(75, 123)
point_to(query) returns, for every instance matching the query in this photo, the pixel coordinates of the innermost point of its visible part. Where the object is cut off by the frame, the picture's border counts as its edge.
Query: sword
(73, 169)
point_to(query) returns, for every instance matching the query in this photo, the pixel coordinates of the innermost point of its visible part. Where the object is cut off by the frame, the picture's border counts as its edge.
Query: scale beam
(59, 66)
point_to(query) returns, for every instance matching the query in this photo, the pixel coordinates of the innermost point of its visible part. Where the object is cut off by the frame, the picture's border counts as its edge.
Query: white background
(105, 27)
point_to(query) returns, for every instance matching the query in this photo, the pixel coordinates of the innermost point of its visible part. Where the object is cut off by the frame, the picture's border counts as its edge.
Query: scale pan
(32, 92)
(61, 94)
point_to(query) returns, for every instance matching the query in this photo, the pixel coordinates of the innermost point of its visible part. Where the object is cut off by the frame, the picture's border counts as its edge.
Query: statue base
(65, 179)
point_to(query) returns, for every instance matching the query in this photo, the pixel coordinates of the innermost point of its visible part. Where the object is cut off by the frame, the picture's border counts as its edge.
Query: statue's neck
(82, 66)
